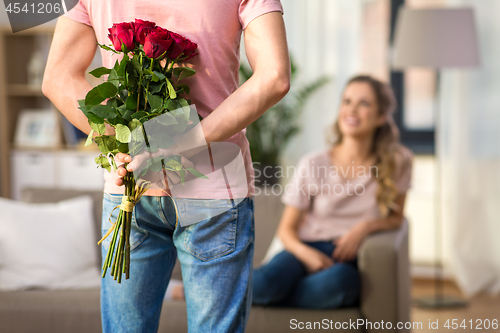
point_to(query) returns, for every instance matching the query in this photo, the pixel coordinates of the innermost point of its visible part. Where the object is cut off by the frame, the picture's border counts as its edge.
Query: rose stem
(113, 243)
(126, 263)
(122, 249)
(117, 255)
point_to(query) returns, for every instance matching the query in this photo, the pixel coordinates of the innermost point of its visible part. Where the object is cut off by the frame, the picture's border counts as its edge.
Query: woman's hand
(346, 246)
(314, 260)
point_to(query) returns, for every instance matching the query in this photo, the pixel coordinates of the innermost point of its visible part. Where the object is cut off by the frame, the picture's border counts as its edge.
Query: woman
(336, 198)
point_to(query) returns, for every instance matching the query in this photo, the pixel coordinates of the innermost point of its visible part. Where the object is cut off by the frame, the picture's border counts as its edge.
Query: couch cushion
(47, 245)
(45, 195)
(50, 311)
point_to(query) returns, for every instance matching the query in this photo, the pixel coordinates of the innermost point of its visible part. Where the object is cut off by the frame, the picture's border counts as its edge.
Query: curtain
(339, 39)
(469, 141)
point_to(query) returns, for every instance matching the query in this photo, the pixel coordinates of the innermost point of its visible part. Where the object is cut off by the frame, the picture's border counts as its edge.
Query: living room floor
(479, 309)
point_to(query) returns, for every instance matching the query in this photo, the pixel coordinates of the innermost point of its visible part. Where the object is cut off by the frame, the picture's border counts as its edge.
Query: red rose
(182, 48)
(157, 42)
(122, 33)
(142, 28)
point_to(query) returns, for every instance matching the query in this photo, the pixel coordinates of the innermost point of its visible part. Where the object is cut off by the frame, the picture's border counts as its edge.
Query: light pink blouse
(336, 199)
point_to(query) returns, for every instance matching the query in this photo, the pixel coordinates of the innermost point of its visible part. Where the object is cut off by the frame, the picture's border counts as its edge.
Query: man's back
(216, 27)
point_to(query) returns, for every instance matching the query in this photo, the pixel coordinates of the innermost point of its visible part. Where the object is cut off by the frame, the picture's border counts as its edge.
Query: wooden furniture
(31, 166)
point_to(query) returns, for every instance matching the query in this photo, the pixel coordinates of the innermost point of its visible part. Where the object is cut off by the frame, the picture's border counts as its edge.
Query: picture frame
(37, 128)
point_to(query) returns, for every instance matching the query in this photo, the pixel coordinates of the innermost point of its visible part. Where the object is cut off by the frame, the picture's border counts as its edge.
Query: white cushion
(48, 246)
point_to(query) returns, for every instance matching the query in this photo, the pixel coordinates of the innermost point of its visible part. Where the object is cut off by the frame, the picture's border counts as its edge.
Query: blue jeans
(216, 257)
(284, 281)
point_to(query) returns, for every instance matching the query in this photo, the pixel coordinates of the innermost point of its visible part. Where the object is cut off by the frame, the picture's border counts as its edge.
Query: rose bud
(122, 33)
(142, 28)
(182, 48)
(157, 42)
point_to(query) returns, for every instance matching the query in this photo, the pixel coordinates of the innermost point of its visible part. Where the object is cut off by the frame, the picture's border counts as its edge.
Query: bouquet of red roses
(140, 87)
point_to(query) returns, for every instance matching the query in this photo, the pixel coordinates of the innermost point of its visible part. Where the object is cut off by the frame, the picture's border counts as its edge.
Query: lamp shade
(436, 38)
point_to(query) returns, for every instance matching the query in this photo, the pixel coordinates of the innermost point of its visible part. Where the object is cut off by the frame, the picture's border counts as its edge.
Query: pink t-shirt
(336, 199)
(216, 27)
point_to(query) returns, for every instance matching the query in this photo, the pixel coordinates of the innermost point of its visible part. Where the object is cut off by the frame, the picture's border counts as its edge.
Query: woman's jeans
(284, 281)
(216, 257)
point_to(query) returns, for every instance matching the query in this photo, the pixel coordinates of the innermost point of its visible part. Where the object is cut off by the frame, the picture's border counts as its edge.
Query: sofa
(382, 259)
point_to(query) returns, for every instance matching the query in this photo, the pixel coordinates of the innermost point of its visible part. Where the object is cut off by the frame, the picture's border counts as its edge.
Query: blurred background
(330, 41)
(338, 39)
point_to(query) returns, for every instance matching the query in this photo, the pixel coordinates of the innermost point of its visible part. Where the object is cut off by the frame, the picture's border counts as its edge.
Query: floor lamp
(436, 38)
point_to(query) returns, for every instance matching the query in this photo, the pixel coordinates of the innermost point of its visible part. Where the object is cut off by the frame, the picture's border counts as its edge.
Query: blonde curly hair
(385, 145)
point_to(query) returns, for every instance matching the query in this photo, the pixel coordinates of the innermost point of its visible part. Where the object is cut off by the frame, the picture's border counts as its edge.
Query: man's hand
(137, 163)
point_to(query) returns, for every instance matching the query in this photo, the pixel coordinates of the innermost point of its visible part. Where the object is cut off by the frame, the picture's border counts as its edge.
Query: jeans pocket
(110, 201)
(214, 237)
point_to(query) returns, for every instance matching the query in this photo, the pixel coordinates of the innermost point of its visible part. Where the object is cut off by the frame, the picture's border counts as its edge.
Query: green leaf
(134, 124)
(86, 111)
(103, 162)
(93, 97)
(113, 75)
(182, 173)
(107, 48)
(154, 101)
(122, 109)
(112, 102)
(185, 105)
(157, 76)
(183, 72)
(123, 148)
(139, 115)
(106, 143)
(99, 128)
(183, 88)
(82, 106)
(171, 90)
(104, 111)
(101, 144)
(93, 118)
(98, 72)
(127, 115)
(173, 165)
(122, 133)
(107, 89)
(171, 105)
(120, 69)
(196, 173)
(156, 88)
(113, 163)
(137, 66)
(132, 102)
(113, 78)
(89, 139)
(166, 119)
(182, 113)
